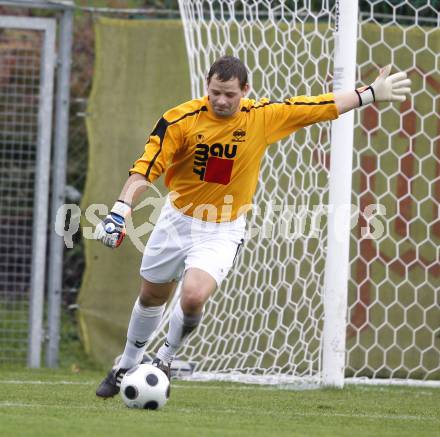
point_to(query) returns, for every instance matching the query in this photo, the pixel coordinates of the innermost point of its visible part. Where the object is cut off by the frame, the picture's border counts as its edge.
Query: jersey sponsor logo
(238, 136)
(214, 163)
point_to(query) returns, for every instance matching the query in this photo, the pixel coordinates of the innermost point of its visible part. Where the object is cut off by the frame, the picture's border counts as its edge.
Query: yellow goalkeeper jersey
(211, 164)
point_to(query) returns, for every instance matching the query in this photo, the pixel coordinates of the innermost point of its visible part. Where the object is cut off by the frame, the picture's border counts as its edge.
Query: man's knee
(192, 301)
(196, 290)
(152, 294)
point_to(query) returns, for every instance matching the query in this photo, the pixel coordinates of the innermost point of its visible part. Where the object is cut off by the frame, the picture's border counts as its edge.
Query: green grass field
(61, 403)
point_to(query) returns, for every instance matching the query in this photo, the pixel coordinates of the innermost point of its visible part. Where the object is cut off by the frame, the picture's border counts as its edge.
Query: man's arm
(135, 185)
(158, 154)
(111, 231)
(385, 88)
(346, 101)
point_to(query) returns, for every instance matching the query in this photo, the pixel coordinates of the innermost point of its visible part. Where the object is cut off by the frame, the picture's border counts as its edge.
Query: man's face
(225, 96)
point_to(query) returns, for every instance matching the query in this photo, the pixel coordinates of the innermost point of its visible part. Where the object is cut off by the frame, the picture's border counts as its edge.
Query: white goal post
(337, 259)
(317, 297)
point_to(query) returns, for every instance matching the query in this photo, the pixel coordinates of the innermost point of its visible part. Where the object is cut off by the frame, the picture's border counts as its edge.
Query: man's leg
(145, 317)
(197, 287)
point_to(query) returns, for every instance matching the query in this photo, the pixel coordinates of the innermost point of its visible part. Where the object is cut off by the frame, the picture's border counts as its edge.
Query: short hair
(227, 68)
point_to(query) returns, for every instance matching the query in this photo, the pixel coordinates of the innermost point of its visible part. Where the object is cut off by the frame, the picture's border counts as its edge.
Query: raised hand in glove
(111, 231)
(386, 88)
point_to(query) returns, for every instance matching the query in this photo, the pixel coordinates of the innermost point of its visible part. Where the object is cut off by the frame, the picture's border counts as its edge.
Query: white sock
(143, 322)
(180, 327)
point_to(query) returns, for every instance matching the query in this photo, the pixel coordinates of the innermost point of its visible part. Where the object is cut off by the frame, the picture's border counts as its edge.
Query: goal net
(265, 323)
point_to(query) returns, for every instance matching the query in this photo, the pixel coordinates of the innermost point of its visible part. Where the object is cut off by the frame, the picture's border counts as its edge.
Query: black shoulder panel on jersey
(159, 130)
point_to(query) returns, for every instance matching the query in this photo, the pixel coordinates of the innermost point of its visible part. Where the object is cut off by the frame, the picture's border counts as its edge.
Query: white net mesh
(266, 320)
(394, 289)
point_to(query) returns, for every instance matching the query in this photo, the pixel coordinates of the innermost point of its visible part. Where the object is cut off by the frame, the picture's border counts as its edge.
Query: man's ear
(246, 89)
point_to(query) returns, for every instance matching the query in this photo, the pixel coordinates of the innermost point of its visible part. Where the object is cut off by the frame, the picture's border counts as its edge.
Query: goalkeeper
(210, 150)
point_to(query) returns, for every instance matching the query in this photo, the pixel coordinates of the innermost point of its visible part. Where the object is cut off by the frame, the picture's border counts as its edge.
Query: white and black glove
(385, 88)
(111, 231)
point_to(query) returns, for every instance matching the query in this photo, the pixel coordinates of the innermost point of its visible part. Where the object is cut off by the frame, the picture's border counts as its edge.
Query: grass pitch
(61, 403)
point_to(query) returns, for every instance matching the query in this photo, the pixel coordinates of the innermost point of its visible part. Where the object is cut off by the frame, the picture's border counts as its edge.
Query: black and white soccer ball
(145, 386)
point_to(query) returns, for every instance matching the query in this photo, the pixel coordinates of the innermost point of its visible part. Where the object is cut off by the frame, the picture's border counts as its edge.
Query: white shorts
(179, 242)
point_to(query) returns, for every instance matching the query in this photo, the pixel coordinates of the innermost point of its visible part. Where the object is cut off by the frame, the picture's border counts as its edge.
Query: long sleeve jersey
(211, 164)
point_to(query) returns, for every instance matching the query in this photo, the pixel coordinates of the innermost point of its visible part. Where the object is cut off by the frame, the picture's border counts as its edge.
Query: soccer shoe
(166, 368)
(110, 385)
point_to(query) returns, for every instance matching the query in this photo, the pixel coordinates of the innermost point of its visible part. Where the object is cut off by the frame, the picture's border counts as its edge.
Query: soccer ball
(145, 386)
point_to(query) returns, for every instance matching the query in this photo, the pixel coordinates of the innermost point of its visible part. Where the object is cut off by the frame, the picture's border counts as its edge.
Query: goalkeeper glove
(385, 88)
(111, 231)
